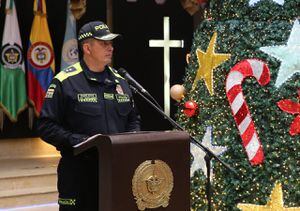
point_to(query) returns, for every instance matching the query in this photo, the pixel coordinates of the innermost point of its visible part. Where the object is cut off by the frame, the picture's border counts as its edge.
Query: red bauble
(190, 108)
(202, 1)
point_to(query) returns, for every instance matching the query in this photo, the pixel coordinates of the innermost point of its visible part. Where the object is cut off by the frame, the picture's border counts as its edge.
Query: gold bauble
(177, 92)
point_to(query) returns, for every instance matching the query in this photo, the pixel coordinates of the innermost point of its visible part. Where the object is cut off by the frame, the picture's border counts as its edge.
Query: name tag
(108, 96)
(87, 98)
(122, 98)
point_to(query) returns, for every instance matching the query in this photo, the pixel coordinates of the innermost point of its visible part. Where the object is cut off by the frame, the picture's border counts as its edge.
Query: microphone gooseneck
(122, 72)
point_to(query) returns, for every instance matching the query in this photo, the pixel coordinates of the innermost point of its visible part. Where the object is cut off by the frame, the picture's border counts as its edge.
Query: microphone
(122, 72)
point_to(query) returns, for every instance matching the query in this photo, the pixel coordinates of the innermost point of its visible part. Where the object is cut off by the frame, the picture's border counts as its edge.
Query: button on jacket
(78, 104)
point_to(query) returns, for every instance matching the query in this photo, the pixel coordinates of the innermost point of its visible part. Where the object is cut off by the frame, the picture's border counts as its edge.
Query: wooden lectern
(141, 166)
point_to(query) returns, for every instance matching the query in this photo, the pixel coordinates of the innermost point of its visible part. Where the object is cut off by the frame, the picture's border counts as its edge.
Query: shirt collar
(111, 79)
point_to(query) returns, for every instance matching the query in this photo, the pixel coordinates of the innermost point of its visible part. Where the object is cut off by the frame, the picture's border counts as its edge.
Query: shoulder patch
(69, 71)
(50, 91)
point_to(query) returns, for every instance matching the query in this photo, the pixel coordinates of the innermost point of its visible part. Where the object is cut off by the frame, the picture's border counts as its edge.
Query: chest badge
(119, 89)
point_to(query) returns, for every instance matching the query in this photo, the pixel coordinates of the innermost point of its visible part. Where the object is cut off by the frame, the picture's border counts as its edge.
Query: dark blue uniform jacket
(78, 104)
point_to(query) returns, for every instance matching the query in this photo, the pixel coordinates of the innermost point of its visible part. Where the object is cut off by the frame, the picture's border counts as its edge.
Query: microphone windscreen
(122, 71)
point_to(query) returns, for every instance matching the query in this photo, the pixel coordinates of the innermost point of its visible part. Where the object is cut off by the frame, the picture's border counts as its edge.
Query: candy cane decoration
(239, 107)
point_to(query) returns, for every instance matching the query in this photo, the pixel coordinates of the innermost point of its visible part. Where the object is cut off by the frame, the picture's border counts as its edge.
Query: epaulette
(69, 71)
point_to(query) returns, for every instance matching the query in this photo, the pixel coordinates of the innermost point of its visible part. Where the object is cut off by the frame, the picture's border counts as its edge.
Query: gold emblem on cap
(152, 184)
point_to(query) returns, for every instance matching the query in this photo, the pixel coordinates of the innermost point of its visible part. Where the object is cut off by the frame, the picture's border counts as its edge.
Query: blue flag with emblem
(69, 54)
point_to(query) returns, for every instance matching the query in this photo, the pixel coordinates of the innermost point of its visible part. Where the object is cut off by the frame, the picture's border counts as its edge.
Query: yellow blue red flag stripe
(40, 57)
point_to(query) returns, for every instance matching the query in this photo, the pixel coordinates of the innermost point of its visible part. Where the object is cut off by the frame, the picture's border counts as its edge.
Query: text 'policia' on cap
(97, 30)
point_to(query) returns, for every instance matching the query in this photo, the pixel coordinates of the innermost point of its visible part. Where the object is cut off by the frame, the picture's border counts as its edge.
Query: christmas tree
(244, 75)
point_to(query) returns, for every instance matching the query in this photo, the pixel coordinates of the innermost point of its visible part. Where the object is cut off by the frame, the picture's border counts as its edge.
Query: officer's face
(100, 51)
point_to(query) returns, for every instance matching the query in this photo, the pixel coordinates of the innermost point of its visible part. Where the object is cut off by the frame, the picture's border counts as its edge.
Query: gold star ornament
(208, 61)
(275, 202)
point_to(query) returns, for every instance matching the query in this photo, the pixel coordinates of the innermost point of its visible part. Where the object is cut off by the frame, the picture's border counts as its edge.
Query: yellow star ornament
(274, 204)
(208, 61)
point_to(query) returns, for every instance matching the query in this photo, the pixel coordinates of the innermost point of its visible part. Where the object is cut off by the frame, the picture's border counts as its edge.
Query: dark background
(138, 22)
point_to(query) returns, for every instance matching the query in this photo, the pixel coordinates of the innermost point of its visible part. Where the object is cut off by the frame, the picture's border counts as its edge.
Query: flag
(78, 8)
(69, 54)
(40, 59)
(12, 68)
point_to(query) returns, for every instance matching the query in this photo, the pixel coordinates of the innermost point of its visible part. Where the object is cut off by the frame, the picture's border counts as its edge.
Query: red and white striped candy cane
(239, 107)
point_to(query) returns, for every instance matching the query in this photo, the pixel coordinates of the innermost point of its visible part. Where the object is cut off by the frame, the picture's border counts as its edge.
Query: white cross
(166, 43)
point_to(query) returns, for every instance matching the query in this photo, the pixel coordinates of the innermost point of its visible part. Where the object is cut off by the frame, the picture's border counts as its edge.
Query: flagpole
(1, 119)
(109, 18)
(109, 14)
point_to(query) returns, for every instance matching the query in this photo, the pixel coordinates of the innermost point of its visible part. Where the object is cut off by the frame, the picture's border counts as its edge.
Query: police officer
(85, 99)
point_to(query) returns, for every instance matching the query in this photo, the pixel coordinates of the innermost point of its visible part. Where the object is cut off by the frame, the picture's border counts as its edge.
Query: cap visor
(107, 37)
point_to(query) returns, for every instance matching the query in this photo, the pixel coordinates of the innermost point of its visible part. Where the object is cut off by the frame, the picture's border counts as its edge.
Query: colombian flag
(40, 56)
